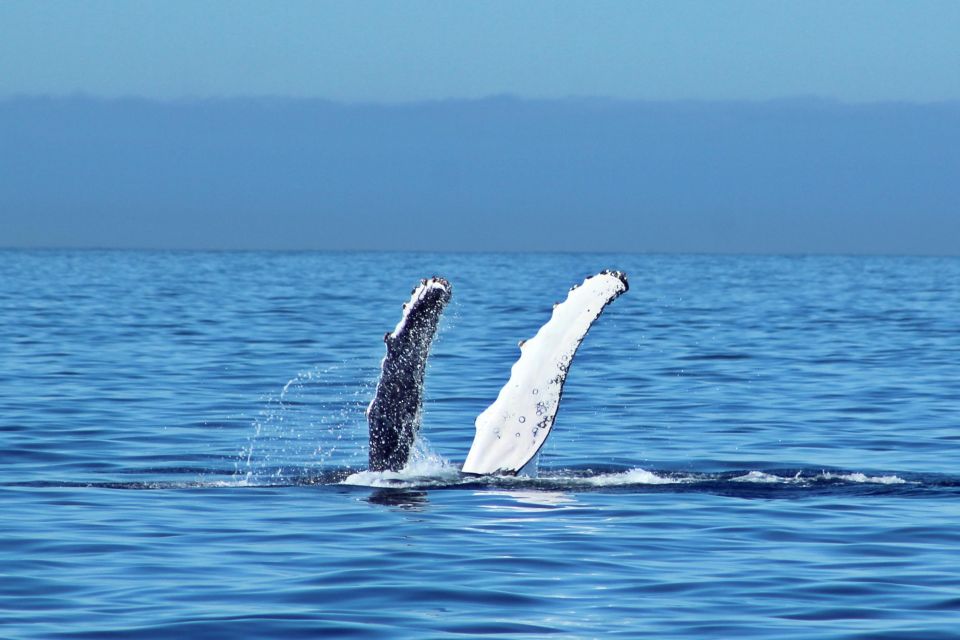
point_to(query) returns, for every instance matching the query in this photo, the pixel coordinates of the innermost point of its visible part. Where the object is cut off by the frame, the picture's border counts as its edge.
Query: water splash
(315, 422)
(425, 468)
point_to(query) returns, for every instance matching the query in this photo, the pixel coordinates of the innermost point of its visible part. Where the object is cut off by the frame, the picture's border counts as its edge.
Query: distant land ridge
(502, 173)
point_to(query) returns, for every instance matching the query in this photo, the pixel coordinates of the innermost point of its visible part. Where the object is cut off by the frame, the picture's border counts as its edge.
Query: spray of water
(313, 424)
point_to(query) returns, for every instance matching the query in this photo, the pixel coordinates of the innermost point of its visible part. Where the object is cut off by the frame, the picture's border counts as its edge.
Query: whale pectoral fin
(394, 413)
(512, 430)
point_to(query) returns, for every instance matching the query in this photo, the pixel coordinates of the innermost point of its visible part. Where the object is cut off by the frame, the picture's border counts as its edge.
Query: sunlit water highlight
(748, 447)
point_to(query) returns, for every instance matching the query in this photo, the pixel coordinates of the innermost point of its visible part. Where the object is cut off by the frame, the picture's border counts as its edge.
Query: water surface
(748, 447)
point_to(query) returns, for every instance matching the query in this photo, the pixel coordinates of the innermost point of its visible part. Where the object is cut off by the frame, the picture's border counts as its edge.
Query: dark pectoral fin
(394, 413)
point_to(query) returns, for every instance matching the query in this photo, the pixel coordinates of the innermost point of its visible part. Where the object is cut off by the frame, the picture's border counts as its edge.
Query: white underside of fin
(511, 431)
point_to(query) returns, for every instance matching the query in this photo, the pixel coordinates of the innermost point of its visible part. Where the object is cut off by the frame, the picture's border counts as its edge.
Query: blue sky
(756, 127)
(405, 51)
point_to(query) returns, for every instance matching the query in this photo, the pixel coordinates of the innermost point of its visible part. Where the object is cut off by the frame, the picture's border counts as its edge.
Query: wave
(432, 472)
(421, 476)
(857, 478)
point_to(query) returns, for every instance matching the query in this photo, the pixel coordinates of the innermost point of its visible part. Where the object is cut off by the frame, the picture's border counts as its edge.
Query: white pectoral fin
(511, 431)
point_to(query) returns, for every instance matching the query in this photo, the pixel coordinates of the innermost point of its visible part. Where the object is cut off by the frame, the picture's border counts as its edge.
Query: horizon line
(758, 254)
(785, 100)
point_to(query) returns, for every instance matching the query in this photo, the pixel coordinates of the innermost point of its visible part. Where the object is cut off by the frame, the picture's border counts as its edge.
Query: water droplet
(518, 434)
(536, 391)
(523, 419)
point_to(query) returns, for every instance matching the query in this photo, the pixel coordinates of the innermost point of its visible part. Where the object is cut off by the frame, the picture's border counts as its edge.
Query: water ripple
(752, 447)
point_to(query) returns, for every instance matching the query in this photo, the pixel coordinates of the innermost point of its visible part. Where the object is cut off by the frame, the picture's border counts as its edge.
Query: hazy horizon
(503, 173)
(788, 99)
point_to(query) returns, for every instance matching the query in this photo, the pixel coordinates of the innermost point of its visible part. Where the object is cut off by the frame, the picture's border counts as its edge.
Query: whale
(511, 431)
(393, 415)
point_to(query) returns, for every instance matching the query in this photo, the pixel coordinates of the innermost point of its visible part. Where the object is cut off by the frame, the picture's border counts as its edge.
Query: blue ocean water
(751, 447)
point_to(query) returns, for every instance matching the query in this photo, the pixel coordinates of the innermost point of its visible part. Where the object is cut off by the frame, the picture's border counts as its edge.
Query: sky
(728, 127)
(358, 50)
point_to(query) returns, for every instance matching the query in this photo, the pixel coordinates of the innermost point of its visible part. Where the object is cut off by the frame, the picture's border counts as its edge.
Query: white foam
(422, 470)
(633, 476)
(761, 477)
(766, 478)
(861, 478)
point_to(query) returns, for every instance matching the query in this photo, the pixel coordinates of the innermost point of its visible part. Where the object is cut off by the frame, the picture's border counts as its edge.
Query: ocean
(747, 447)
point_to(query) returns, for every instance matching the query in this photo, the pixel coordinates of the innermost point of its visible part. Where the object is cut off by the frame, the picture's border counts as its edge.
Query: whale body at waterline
(513, 429)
